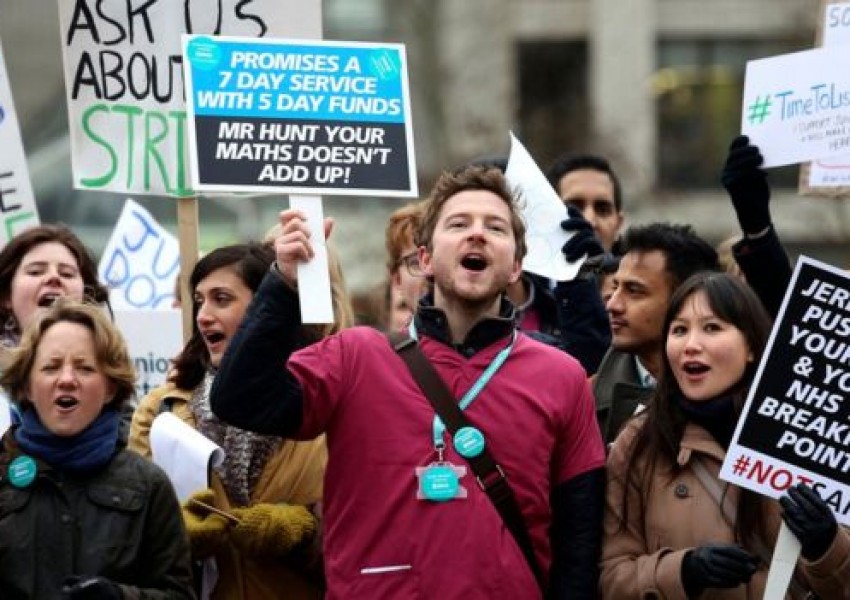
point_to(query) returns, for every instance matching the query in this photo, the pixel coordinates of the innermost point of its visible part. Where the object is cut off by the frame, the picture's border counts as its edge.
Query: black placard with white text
(795, 426)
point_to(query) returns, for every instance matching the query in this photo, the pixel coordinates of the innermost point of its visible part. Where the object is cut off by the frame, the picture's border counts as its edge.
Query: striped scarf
(246, 453)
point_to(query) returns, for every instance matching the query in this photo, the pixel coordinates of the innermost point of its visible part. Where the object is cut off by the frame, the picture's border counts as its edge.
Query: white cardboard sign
(17, 203)
(797, 106)
(124, 81)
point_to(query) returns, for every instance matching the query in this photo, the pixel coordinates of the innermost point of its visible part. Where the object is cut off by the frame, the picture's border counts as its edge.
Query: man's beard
(472, 300)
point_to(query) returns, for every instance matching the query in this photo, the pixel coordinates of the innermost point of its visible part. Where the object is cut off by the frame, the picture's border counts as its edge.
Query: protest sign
(153, 339)
(835, 27)
(124, 82)
(299, 117)
(17, 203)
(140, 262)
(797, 106)
(543, 213)
(795, 426)
(829, 176)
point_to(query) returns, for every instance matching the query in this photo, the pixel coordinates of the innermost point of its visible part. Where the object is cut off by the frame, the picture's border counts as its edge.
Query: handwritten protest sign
(836, 24)
(795, 426)
(153, 339)
(140, 262)
(831, 172)
(124, 82)
(17, 203)
(797, 106)
(299, 117)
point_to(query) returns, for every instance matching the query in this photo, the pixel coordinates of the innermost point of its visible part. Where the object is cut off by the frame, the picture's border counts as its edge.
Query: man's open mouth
(474, 262)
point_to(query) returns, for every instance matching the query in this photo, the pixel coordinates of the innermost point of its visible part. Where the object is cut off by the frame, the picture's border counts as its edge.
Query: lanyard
(438, 427)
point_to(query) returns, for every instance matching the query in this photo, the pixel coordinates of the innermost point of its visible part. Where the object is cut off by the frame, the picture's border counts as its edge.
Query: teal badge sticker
(22, 471)
(469, 442)
(204, 53)
(439, 483)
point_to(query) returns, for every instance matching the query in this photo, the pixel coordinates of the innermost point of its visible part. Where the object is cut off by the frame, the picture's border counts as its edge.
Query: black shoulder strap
(489, 475)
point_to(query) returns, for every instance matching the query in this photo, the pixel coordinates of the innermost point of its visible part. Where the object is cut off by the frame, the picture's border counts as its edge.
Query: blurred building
(653, 84)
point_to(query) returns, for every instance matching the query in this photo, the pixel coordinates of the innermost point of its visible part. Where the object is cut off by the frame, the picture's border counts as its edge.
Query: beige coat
(645, 559)
(294, 475)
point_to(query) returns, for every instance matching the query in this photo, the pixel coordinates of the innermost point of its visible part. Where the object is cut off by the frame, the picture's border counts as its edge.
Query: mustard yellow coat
(293, 475)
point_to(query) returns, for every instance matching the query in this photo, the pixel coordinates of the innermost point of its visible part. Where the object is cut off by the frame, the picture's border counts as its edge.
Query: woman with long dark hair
(270, 486)
(673, 529)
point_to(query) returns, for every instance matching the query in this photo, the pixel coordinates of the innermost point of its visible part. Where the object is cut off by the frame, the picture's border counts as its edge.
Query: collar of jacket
(697, 439)
(432, 321)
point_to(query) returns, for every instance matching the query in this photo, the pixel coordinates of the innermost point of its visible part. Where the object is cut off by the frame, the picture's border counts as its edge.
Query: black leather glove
(810, 519)
(88, 587)
(584, 241)
(747, 185)
(716, 566)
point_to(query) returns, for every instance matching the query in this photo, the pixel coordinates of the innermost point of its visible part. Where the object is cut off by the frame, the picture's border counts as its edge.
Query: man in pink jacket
(387, 535)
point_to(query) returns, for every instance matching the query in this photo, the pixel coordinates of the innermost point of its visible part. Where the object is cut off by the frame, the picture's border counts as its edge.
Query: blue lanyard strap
(438, 427)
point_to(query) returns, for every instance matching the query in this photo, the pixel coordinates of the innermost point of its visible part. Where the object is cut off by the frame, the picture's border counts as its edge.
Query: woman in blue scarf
(80, 516)
(37, 266)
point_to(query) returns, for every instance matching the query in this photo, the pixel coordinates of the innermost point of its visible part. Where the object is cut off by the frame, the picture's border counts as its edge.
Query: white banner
(797, 106)
(833, 172)
(154, 338)
(17, 203)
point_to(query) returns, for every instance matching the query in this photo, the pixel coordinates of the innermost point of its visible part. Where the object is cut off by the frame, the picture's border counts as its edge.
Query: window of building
(553, 106)
(698, 88)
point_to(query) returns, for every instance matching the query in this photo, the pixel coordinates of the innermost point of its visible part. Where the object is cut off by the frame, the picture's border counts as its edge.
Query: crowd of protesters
(494, 434)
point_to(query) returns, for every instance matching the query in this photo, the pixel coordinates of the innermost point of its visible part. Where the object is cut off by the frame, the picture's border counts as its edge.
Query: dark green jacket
(618, 391)
(123, 523)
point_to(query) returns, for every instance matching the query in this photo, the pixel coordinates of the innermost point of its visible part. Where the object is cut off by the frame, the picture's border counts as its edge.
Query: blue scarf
(85, 452)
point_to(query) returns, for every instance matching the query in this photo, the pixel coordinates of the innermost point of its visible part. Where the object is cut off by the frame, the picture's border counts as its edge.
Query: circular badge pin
(469, 442)
(439, 483)
(22, 471)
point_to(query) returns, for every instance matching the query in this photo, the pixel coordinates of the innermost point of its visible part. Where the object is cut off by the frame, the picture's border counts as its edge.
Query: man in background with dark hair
(656, 259)
(588, 182)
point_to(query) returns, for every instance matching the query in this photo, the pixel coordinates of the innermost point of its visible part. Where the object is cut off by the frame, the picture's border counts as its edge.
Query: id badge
(440, 482)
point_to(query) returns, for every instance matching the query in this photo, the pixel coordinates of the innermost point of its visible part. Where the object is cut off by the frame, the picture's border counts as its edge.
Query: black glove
(584, 241)
(716, 566)
(747, 185)
(810, 519)
(88, 587)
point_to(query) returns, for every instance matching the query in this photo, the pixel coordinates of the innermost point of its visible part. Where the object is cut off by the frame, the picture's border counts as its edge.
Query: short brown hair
(401, 231)
(470, 178)
(109, 346)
